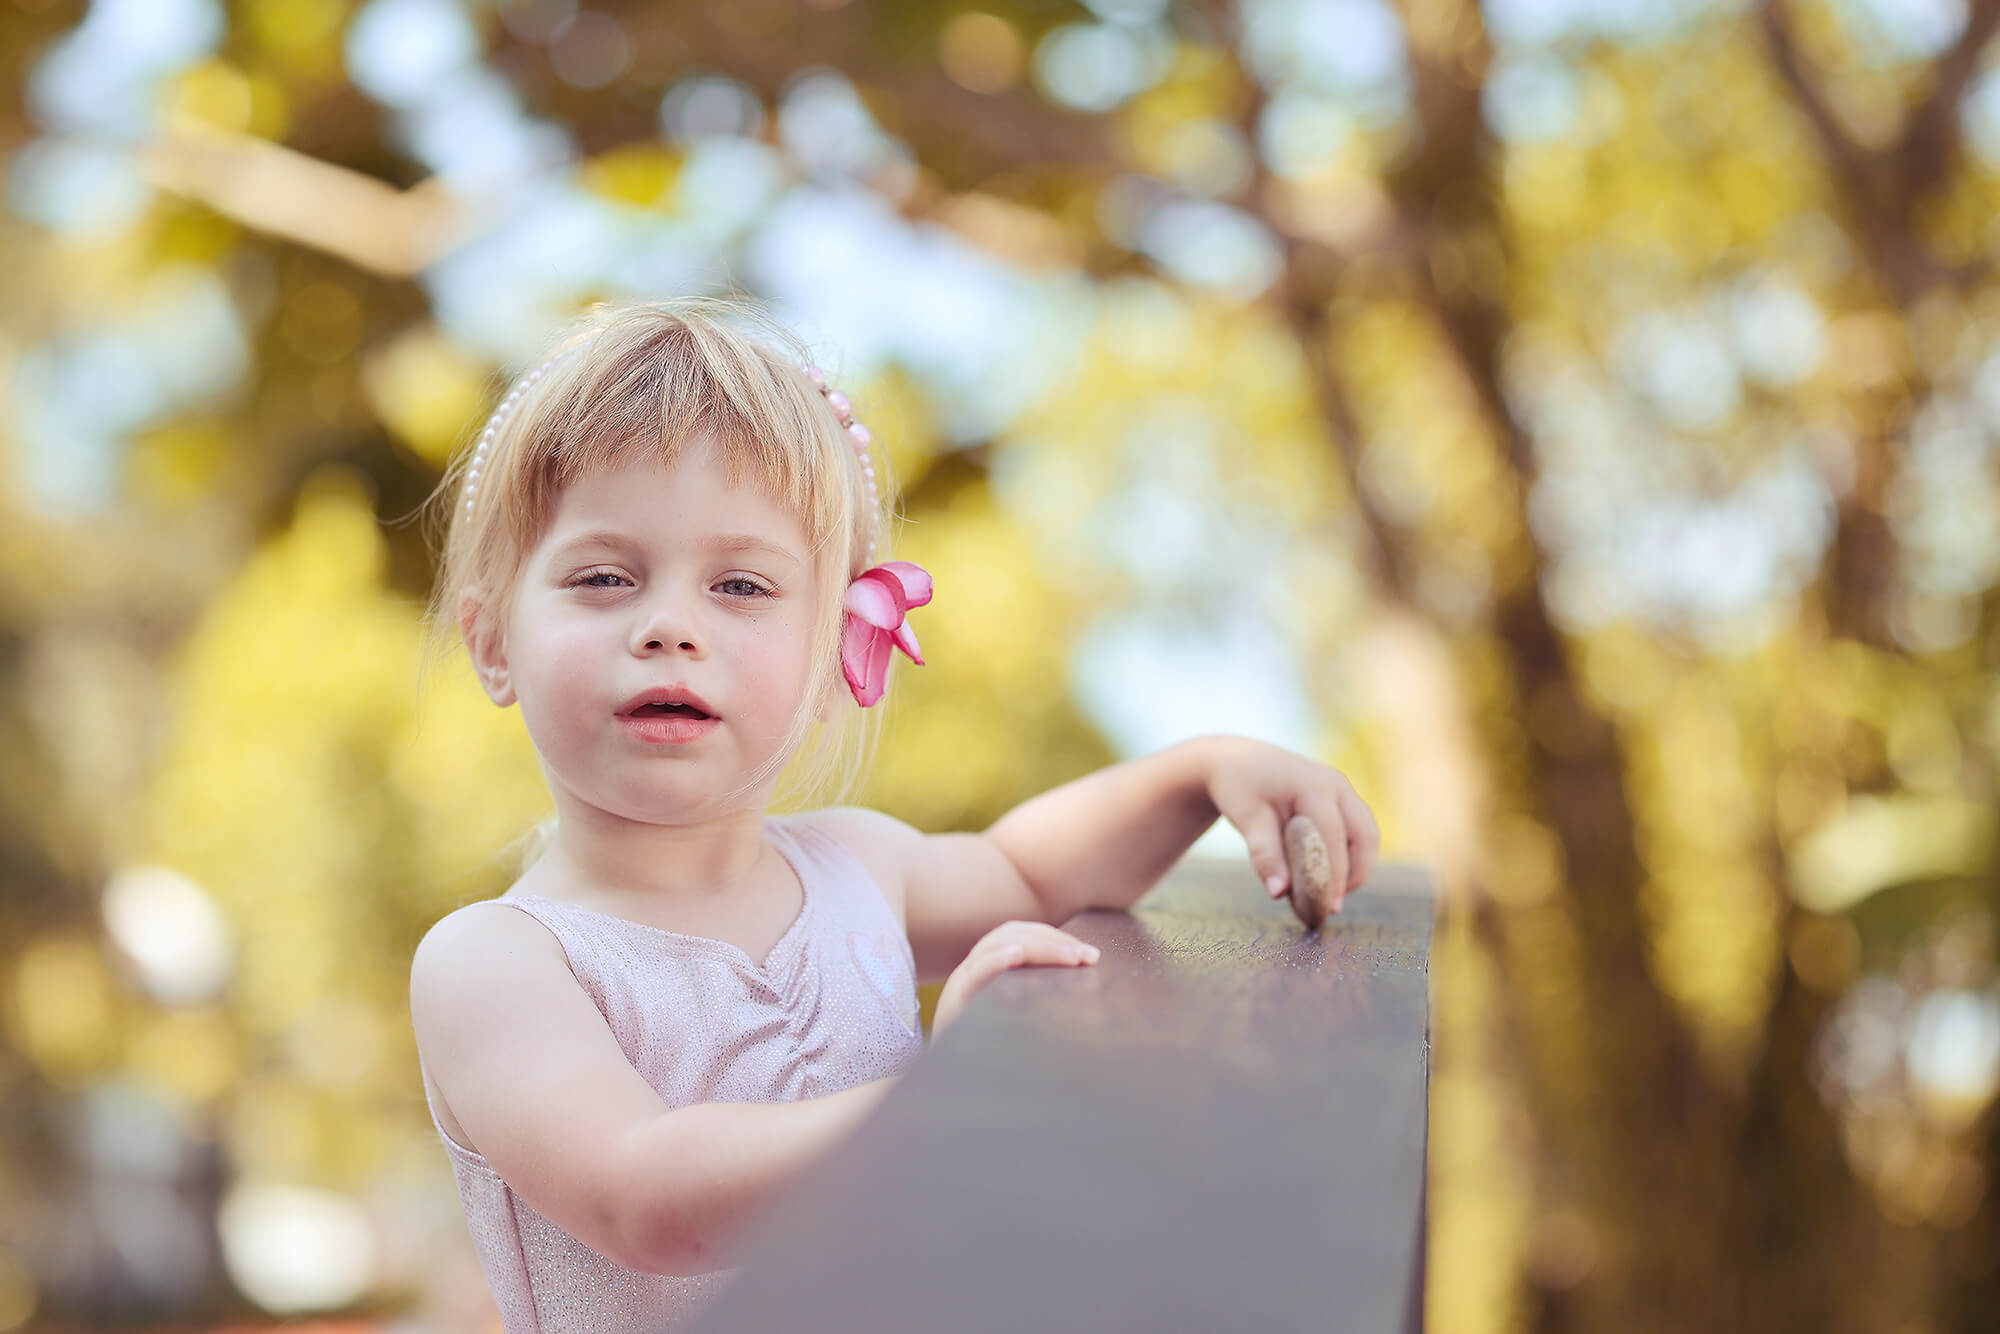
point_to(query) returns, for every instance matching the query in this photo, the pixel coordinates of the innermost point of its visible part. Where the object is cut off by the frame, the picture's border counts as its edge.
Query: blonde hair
(654, 376)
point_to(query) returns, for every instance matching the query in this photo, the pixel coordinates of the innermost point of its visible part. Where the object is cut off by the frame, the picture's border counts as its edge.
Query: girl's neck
(603, 858)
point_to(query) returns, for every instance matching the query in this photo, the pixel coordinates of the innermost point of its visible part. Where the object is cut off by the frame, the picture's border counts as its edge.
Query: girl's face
(656, 579)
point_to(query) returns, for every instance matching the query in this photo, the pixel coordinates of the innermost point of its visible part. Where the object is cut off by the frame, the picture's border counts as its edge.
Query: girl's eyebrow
(596, 537)
(728, 543)
(734, 542)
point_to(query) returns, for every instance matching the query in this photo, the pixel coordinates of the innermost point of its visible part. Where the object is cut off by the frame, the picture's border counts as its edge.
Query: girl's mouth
(666, 711)
(674, 700)
(673, 725)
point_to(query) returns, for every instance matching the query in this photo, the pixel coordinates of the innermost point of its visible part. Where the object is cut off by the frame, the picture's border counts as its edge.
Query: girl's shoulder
(479, 972)
(471, 934)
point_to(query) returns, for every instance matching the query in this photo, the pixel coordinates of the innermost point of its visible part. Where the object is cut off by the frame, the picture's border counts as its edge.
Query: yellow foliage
(1159, 356)
(1479, 1220)
(1696, 756)
(1624, 670)
(271, 1130)
(1869, 843)
(193, 1056)
(466, 770)
(903, 428)
(1197, 93)
(1430, 460)
(219, 95)
(425, 388)
(988, 721)
(980, 51)
(1714, 940)
(1684, 170)
(187, 233)
(334, 800)
(63, 1008)
(1701, 801)
(301, 35)
(1527, 861)
(1199, 82)
(322, 322)
(1546, 185)
(1923, 745)
(1958, 225)
(333, 810)
(642, 175)
(178, 463)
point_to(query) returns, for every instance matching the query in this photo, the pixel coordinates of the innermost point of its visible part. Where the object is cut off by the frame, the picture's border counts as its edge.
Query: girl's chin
(692, 803)
(671, 787)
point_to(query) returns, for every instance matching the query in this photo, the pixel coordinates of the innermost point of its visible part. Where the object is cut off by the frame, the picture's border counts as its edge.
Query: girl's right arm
(531, 1073)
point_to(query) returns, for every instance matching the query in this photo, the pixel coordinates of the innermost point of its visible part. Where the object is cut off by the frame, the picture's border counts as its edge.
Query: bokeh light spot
(294, 1249)
(591, 51)
(981, 52)
(171, 930)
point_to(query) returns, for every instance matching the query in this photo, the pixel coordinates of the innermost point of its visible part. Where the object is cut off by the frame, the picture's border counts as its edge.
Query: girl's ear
(484, 644)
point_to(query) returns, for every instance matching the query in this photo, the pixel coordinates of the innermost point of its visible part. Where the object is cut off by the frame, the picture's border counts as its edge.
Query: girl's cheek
(777, 651)
(561, 653)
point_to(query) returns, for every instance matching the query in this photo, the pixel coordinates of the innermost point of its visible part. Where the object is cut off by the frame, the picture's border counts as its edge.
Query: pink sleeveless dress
(834, 1005)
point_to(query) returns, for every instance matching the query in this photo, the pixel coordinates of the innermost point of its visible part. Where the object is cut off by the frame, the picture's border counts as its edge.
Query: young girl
(665, 550)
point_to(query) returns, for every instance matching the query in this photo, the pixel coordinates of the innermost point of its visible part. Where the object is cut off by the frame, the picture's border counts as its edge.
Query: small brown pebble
(1312, 873)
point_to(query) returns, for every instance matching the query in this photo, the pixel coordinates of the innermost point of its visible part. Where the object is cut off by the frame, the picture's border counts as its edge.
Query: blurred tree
(1673, 1190)
(1600, 405)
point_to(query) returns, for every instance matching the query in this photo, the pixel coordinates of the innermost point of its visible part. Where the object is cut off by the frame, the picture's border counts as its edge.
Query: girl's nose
(665, 626)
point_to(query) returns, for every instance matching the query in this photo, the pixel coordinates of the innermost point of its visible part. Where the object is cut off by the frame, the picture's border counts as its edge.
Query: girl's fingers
(1364, 836)
(1014, 945)
(1259, 826)
(1058, 948)
(1037, 943)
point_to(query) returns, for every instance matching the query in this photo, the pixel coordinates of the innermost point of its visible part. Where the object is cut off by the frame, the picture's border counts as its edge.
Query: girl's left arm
(1103, 840)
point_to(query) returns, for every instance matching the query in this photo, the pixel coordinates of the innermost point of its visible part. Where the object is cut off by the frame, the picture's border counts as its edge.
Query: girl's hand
(1008, 945)
(1257, 787)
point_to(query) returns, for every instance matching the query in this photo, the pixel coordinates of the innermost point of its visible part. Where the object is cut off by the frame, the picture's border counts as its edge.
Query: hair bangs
(685, 388)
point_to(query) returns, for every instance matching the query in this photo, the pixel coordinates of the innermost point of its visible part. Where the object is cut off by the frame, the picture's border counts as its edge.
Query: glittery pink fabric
(834, 1005)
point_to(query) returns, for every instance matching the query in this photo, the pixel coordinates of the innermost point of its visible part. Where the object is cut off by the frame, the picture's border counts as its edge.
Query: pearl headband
(857, 434)
(499, 419)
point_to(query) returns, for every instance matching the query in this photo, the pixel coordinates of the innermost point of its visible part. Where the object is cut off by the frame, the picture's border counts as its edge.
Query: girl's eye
(744, 588)
(598, 579)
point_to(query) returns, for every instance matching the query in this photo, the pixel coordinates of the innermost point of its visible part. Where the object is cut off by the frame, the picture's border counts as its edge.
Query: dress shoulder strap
(833, 861)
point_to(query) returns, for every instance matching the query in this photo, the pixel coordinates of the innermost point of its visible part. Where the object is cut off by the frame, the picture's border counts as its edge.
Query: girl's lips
(665, 695)
(667, 728)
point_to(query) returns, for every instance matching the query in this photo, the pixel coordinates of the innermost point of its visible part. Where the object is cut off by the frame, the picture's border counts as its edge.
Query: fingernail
(1275, 883)
(1011, 953)
(1091, 952)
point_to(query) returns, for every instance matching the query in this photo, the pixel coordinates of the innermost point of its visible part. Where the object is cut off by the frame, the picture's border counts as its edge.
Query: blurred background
(1575, 419)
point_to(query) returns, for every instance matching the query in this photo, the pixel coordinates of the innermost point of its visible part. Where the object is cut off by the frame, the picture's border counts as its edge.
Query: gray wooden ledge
(1221, 1125)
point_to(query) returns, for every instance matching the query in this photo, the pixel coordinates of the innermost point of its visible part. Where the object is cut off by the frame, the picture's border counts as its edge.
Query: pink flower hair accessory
(878, 602)
(880, 597)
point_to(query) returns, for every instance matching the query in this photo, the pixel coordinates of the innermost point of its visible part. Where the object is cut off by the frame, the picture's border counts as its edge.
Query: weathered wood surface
(1219, 1126)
